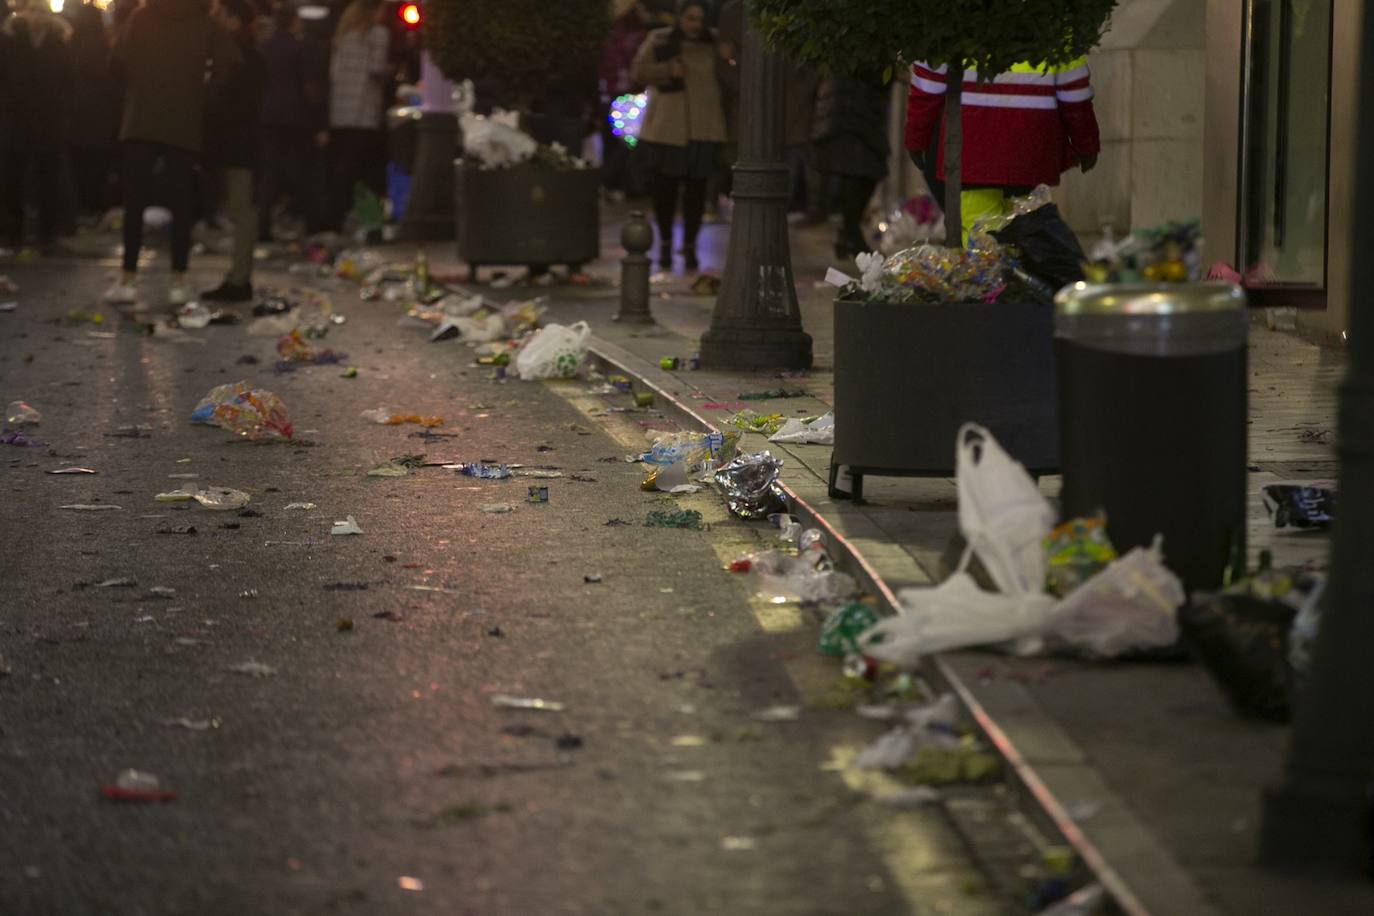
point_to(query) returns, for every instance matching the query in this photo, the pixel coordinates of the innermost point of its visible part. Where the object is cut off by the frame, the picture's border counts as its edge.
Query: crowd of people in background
(248, 110)
(204, 108)
(685, 55)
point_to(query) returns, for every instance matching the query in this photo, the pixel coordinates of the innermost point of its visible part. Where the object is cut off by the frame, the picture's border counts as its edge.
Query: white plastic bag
(481, 330)
(929, 725)
(496, 141)
(820, 431)
(554, 351)
(1128, 606)
(1002, 514)
(953, 615)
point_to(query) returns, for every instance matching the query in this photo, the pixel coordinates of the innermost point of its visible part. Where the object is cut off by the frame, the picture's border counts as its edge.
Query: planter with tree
(539, 59)
(937, 337)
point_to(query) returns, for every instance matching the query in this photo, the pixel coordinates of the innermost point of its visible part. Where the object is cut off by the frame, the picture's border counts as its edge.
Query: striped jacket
(1022, 129)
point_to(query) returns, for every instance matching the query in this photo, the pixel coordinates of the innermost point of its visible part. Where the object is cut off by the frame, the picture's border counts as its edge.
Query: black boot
(689, 259)
(229, 292)
(665, 257)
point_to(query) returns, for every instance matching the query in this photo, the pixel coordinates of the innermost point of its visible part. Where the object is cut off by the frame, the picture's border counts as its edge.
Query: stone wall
(1149, 75)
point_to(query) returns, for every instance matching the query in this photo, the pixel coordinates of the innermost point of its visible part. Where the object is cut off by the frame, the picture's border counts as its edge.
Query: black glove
(1087, 163)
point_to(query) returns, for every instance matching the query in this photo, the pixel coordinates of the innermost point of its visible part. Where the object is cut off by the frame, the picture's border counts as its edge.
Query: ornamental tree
(861, 37)
(535, 50)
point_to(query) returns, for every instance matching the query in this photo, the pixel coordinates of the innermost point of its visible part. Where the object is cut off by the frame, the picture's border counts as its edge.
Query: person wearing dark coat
(95, 111)
(291, 117)
(35, 85)
(231, 145)
(163, 55)
(850, 138)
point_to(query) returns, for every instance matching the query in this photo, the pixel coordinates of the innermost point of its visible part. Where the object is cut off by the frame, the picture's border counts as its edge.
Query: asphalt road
(371, 773)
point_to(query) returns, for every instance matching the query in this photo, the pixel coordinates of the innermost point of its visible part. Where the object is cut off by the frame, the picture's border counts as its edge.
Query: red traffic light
(410, 15)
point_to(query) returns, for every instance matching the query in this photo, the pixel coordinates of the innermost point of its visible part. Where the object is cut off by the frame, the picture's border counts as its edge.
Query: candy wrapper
(253, 413)
(752, 422)
(750, 485)
(949, 274)
(1300, 506)
(293, 349)
(1075, 552)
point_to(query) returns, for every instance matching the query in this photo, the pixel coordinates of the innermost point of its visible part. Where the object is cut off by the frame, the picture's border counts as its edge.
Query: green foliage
(866, 36)
(531, 48)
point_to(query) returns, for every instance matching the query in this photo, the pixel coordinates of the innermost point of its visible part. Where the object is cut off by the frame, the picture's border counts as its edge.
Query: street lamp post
(756, 323)
(1318, 819)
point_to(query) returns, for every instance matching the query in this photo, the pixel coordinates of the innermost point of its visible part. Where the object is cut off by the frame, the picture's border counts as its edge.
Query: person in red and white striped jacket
(1021, 129)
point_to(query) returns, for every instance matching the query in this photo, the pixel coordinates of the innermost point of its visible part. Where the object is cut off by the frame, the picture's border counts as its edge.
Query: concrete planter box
(527, 215)
(908, 376)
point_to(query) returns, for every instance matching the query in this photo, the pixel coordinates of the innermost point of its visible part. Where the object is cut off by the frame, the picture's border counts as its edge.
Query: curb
(1123, 896)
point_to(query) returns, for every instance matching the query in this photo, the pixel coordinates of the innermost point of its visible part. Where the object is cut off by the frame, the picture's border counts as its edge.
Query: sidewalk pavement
(1143, 767)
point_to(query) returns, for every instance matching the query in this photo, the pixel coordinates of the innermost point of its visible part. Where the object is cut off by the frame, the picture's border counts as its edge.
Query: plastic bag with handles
(1002, 514)
(554, 351)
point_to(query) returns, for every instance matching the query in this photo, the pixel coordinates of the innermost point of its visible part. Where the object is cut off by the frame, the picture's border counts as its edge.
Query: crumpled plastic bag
(820, 431)
(20, 414)
(554, 351)
(1127, 607)
(953, 615)
(1002, 514)
(808, 577)
(253, 413)
(293, 348)
(673, 458)
(750, 485)
(496, 141)
(930, 725)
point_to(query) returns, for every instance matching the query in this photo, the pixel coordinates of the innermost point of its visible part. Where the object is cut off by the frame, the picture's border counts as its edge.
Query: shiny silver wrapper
(750, 484)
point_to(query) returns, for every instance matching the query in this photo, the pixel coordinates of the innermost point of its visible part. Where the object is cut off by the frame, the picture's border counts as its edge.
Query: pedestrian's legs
(377, 156)
(178, 168)
(665, 207)
(139, 159)
(12, 169)
(47, 170)
(855, 192)
(693, 204)
(238, 193)
(343, 169)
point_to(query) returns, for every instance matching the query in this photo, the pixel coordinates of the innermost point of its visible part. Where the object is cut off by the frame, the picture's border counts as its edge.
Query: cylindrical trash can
(1153, 417)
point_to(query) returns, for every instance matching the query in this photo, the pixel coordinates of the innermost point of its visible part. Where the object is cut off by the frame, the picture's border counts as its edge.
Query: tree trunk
(954, 146)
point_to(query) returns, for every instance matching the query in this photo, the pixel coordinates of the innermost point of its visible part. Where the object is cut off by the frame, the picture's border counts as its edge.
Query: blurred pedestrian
(95, 111)
(35, 86)
(231, 131)
(358, 72)
(850, 136)
(165, 54)
(684, 125)
(289, 122)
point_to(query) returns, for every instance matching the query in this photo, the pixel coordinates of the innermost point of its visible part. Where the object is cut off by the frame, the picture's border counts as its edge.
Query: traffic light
(410, 15)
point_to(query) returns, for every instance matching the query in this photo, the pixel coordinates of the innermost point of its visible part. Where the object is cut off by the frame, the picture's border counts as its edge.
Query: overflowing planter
(907, 377)
(528, 214)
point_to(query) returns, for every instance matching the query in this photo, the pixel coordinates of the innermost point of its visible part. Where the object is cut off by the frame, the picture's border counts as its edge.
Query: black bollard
(638, 237)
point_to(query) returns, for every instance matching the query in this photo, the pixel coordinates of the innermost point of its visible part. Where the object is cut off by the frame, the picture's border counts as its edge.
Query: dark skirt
(698, 159)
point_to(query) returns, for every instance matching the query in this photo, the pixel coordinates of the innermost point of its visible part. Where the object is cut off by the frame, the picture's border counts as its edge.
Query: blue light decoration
(627, 115)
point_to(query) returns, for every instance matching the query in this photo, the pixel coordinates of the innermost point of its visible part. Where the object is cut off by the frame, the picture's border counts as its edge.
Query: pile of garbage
(1061, 589)
(496, 141)
(1022, 255)
(1171, 253)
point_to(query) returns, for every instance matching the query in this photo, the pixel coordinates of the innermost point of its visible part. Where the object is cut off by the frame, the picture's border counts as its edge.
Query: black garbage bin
(1152, 411)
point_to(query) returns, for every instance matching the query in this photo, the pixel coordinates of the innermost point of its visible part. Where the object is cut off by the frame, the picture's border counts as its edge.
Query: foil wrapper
(750, 483)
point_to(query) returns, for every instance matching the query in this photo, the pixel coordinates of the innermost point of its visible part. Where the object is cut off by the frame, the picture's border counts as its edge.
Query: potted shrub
(924, 346)
(539, 59)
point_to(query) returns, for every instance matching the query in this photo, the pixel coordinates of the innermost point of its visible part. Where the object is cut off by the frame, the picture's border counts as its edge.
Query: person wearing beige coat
(684, 124)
